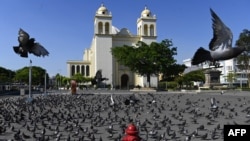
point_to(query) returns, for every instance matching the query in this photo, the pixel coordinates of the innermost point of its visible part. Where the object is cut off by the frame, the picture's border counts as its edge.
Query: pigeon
(28, 45)
(220, 46)
(213, 104)
(25, 136)
(112, 103)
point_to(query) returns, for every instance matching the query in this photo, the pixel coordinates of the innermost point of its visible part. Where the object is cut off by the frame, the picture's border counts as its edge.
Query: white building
(98, 55)
(227, 66)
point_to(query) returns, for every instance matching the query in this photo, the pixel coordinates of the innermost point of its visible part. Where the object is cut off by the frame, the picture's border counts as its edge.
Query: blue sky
(65, 27)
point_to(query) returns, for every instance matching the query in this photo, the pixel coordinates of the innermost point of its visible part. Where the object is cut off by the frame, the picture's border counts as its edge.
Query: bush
(245, 89)
(168, 85)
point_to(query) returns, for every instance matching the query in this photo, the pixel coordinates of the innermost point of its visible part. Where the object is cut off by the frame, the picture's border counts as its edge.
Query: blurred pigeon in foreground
(220, 46)
(28, 45)
(112, 103)
(213, 104)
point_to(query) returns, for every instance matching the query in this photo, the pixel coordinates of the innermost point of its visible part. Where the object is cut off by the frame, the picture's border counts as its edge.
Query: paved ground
(173, 116)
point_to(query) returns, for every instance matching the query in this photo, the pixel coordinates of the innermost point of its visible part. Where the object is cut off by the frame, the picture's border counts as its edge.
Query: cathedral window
(72, 70)
(100, 28)
(87, 70)
(77, 69)
(152, 30)
(145, 28)
(106, 28)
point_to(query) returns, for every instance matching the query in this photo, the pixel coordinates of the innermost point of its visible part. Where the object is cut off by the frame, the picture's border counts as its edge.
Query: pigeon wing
(23, 37)
(222, 35)
(212, 101)
(39, 50)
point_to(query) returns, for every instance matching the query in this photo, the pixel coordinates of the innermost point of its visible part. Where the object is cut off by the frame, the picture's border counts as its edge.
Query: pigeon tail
(24, 54)
(17, 51)
(201, 55)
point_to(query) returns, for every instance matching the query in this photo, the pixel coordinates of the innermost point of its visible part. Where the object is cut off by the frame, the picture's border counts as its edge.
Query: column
(80, 69)
(148, 30)
(75, 69)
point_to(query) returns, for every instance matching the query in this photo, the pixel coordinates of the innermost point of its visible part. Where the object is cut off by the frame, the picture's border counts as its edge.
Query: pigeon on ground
(220, 47)
(112, 103)
(28, 45)
(213, 103)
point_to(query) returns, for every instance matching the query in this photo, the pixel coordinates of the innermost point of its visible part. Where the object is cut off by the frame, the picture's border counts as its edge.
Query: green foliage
(173, 72)
(231, 76)
(162, 85)
(168, 85)
(172, 85)
(6, 75)
(146, 59)
(188, 78)
(78, 77)
(197, 75)
(22, 75)
(61, 80)
(65, 80)
(243, 60)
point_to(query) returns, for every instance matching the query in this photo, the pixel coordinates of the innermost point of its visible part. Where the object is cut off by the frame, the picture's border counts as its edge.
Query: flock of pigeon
(104, 117)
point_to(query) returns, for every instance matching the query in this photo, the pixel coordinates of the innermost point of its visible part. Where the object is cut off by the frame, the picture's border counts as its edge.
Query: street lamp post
(45, 84)
(241, 80)
(30, 75)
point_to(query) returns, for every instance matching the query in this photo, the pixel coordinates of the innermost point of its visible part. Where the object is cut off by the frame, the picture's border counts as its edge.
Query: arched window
(152, 30)
(77, 69)
(72, 70)
(145, 29)
(87, 70)
(83, 70)
(106, 28)
(100, 28)
(139, 30)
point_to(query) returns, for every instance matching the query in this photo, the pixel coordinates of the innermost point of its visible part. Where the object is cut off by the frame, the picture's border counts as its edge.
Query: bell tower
(102, 43)
(103, 21)
(146, 26)
(146, 30)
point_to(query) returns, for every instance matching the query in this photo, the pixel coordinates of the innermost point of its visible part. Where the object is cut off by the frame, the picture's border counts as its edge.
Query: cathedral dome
(124, 32)
(146, 13)
(102, 10)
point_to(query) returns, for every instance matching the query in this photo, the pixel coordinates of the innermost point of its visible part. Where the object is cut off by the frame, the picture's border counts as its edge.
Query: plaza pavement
(171, 116)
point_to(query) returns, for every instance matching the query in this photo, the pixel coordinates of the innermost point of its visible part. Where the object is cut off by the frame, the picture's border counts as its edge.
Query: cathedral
(98, 56)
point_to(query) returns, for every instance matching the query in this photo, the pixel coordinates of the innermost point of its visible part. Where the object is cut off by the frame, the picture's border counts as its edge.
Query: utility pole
(45, 84)
(30, 81)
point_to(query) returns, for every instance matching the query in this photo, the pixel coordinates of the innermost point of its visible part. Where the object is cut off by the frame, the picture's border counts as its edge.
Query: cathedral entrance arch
(124, 81)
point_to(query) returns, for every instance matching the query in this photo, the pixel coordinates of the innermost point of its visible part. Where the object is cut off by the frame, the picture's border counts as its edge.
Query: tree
(6, 75)
(78, 77)
(22, 75)
(59, 80)
(243, 60)
(230, 78)
(145, 59)
(173, 71)
(65, 80)
(194, 76)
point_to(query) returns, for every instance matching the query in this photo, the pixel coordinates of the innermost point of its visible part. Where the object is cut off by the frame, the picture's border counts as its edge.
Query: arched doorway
(124, 81)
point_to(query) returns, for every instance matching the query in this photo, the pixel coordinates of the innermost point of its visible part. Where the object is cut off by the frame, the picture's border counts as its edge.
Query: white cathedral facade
(98, 56)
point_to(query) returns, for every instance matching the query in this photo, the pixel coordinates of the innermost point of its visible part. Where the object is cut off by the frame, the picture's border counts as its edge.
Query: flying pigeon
(220, 47)
(28, 45)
